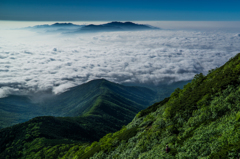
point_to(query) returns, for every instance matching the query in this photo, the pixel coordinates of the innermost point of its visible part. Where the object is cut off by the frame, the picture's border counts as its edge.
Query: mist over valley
(50, 62)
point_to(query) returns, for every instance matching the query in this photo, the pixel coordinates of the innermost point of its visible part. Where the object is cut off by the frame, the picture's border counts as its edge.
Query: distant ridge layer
(116, 26)
(111, 26)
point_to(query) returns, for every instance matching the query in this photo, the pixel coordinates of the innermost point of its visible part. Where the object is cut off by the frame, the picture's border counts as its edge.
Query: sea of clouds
(32, 62)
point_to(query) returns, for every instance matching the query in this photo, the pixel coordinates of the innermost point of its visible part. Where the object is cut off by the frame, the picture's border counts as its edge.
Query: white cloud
(37, 62)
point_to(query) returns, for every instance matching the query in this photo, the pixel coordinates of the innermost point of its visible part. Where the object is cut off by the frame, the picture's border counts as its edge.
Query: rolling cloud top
(32, 62)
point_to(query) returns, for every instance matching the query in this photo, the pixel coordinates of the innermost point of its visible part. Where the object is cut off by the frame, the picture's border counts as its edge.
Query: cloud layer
(32, 62)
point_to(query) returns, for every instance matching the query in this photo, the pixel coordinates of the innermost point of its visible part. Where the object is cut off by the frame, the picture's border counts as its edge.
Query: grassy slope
(108, 112)
(202, 120)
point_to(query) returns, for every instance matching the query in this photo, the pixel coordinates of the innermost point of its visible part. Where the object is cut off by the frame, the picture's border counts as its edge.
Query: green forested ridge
(202, 120)
(110, 106)
(76, 102)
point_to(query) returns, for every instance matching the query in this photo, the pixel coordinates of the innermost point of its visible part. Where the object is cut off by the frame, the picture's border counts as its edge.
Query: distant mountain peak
(116, 26)
(107, 27)
(55, 25)
(117, 22)
(63, 24)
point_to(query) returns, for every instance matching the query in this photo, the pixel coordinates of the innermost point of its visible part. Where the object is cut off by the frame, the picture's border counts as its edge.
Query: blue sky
(122, 10)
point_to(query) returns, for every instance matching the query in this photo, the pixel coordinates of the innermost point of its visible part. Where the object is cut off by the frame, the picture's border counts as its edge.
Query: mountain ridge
(72, 103)
(67, 28)
(116, 26)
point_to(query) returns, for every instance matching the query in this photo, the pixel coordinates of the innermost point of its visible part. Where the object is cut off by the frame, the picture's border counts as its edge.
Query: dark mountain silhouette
(55, 25)
(64, 28)
(70, 28)
(116, 26)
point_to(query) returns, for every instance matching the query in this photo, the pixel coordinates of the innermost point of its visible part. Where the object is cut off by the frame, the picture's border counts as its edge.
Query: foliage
(199, 121)
(152, 108)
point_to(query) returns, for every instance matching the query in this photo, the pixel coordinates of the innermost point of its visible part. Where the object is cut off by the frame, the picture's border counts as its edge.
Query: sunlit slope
(81, 99)
(202, 120)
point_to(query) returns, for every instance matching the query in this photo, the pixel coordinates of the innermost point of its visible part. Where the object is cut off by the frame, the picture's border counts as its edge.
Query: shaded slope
(202, 120)
(31, 136)
(16, 109)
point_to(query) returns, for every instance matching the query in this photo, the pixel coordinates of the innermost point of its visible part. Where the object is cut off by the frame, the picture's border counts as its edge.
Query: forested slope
(94, 109)
(202, 120)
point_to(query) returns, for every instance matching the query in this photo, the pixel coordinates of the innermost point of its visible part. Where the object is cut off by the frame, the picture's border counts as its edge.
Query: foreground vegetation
(202, 120)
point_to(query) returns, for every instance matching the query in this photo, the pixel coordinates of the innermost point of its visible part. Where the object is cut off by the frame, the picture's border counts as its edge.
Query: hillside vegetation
(91, 111)
(202, 120)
